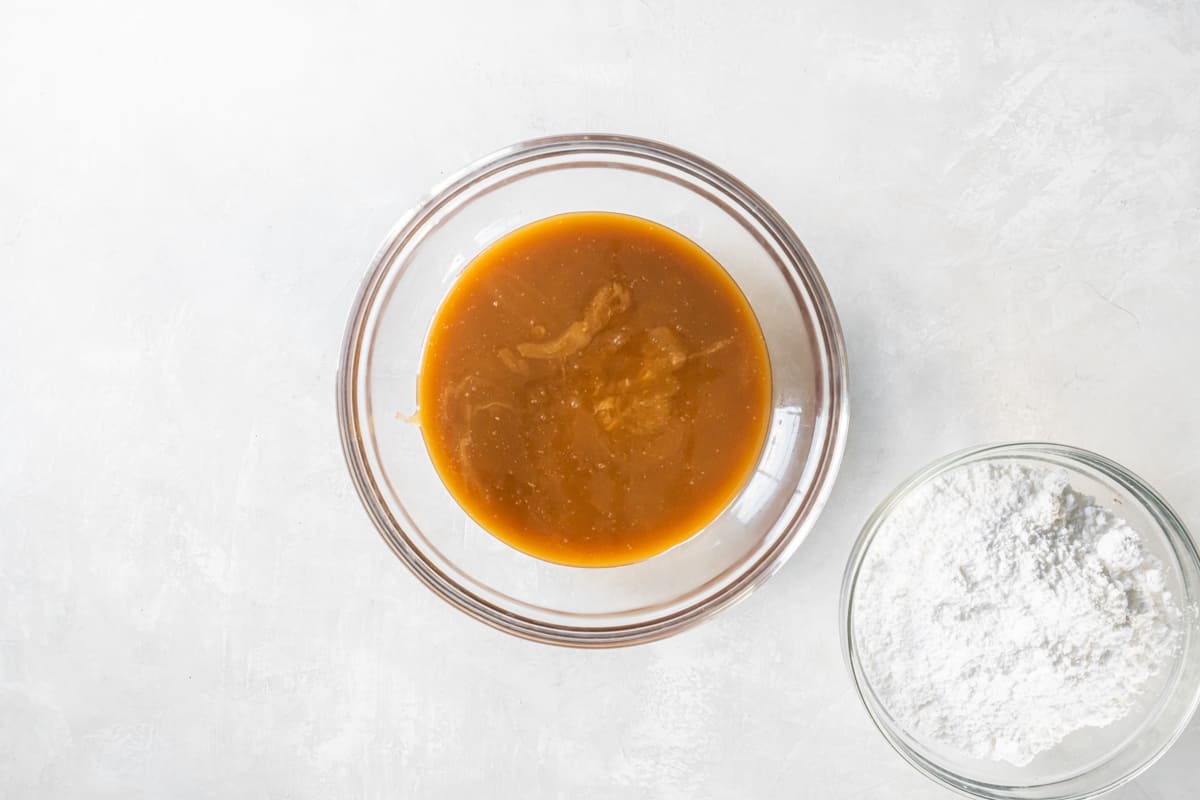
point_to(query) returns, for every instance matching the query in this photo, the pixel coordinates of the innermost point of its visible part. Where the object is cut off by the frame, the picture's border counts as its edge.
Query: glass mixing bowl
(474, 571)
(1091, 761)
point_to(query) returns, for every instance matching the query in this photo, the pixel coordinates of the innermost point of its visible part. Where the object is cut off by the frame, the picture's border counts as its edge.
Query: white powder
(999, 610)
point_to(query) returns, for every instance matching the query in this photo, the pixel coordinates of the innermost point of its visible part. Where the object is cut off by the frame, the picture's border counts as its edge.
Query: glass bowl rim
(1182, 544)
(824, 321)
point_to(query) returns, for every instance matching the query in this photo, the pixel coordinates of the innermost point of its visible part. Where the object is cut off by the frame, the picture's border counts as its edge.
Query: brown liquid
(594, 389)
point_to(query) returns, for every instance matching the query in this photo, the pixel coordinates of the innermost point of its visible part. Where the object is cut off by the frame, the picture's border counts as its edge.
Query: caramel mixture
(594, 389)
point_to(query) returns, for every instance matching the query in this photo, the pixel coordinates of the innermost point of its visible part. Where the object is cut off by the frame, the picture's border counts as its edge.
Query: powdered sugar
(999, 610)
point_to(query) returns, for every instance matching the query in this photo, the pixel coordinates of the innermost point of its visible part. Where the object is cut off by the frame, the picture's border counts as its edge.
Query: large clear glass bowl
(425, 527)
(1091, 761)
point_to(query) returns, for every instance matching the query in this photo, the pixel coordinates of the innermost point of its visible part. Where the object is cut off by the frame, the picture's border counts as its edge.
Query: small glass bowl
(1092, 761)
(474, 571)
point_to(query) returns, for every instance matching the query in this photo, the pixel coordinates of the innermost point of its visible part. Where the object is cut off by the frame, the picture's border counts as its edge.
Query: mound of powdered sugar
(998, 610)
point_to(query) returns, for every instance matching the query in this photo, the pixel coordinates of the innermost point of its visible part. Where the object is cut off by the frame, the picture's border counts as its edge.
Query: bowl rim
(825, 322)
(1182, 545)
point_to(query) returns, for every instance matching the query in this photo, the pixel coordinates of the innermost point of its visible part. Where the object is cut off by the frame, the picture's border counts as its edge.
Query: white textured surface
(192, 603)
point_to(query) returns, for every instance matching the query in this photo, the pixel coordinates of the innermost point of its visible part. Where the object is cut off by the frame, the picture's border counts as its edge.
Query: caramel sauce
(594, 389)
